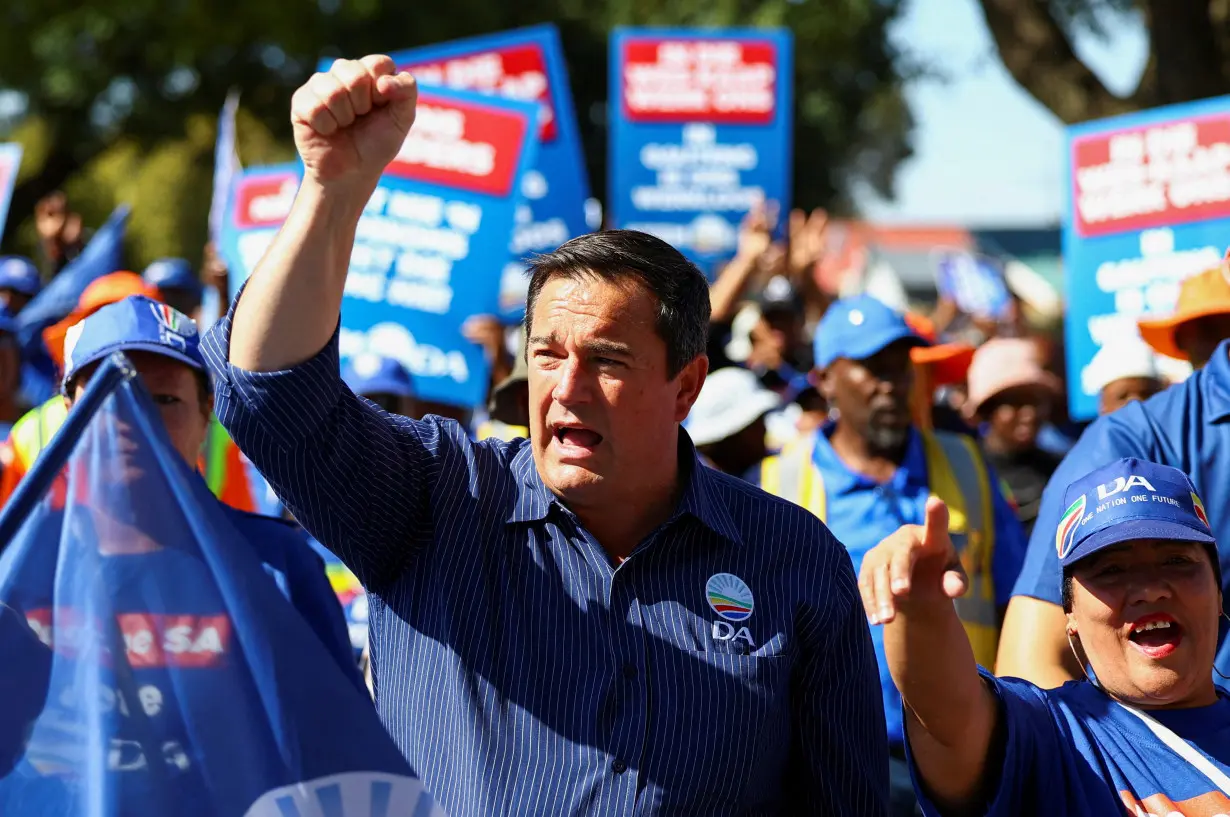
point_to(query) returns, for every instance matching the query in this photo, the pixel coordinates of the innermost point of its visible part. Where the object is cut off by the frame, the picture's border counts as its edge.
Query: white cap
(730, 401)
(1123, 357)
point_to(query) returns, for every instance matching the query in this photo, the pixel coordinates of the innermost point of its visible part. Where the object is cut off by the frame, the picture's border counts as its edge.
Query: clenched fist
(917, 563)
(350, 122)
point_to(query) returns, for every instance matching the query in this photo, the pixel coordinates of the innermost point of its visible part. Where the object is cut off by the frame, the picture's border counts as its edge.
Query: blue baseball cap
(137, 324)
(856, 328)
(172, 273)
(375, 374)
(20, 275)
(1126, 500)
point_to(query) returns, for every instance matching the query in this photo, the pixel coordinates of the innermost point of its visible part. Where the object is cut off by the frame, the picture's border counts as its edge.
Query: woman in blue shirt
(1145, 733)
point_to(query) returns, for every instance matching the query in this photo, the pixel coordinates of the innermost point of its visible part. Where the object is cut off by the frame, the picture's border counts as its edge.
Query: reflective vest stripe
(957, 474)
(34, 431)
(956, 469)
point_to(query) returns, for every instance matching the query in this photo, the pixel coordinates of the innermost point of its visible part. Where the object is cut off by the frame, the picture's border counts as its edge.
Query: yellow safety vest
(32, 433)
(957, 474)
(501, 431)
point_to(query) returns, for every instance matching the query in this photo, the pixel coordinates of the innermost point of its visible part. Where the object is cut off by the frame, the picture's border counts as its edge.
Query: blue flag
(151, 665)
(102, 256)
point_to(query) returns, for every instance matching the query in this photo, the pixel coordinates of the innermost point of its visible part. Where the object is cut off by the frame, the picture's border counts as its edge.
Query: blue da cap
(375, 374)
(19, 274)
(858, 327)
(172, 273)
(137, 324)
(1126, 500)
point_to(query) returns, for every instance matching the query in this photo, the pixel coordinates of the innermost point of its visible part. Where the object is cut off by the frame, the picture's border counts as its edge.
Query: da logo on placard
(264, 201)
(731, 598)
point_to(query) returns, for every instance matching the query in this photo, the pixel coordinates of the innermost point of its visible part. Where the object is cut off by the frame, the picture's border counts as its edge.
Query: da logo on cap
(1065, 534)
(729, 596)
(1198, 507)
(172, 320)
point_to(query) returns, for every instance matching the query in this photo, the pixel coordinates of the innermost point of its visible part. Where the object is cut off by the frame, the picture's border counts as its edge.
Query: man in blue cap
(19, 282)
(164, 346)
(382, 380)
(178, 284)
(870, 471)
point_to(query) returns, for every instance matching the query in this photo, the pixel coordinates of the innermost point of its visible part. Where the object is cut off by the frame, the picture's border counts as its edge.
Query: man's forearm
(291, 304)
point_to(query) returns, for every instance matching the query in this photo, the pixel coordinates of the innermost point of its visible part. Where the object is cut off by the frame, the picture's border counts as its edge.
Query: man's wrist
(336, 201)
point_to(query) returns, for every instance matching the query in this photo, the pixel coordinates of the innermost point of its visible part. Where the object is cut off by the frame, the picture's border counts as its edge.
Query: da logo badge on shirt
(729, 596)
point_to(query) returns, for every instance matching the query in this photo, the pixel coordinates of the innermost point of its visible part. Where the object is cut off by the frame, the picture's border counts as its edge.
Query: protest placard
(526, 64)
(700, 132)
(1147, 205)
(260, 200)
(433, 240)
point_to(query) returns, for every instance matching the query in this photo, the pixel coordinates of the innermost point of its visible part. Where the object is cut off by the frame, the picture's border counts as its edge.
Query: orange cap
(1204, 294)
(947, 362)
(108, 289)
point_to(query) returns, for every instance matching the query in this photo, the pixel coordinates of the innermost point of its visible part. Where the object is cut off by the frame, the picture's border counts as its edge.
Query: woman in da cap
(1145, 732)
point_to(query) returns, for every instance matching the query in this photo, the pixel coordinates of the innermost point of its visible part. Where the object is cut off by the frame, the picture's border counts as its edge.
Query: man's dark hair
(619, 256)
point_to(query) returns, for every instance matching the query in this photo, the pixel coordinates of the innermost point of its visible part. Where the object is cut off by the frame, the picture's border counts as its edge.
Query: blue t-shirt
(1187, 427)
(1075, 752)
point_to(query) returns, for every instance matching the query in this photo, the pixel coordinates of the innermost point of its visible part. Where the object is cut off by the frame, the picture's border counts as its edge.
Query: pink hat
(1006, 363)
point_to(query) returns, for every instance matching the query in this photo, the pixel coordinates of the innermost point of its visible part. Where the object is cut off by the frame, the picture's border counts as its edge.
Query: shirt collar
(533, 500)
(1215, 383)
(840, 479)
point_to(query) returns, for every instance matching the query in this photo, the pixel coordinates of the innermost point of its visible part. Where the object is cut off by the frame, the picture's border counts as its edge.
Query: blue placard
(434, 238)
(701, 124)
(10, 163)
(1146, 206)
(259, 201)
(527, 64)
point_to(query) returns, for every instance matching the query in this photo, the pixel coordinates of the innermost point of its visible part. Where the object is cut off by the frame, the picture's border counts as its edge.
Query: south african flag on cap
(1065, 534)
(1198, 507)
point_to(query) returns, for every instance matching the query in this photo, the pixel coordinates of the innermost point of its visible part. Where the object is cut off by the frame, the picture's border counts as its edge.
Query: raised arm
(908, 583)
(359, 480)
(349, 124)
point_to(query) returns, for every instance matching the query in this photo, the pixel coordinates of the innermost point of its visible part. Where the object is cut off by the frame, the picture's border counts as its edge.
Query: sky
(986, 153)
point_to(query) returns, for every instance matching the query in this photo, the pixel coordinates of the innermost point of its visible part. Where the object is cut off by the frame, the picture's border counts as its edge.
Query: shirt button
(619, 766)
(629, 671)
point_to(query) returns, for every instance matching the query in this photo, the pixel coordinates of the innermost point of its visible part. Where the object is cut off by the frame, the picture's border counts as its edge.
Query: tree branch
(1039, 56)
(1185, 43)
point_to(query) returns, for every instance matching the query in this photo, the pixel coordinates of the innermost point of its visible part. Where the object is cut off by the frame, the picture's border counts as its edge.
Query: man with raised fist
(587, 622)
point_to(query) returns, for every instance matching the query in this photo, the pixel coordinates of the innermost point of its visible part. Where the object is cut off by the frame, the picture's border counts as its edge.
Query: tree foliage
(122, 95)
(1189, 51)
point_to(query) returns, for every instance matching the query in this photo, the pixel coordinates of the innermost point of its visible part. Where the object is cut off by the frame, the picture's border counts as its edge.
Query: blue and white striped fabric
(724, 668)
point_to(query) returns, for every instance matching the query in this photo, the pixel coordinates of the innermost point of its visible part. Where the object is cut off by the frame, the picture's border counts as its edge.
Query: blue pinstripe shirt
(521, 673)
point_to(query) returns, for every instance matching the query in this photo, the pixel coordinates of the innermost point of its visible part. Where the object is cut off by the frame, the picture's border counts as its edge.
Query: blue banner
(701, 125)
(259, 201)
(526, 64)
(1147, 204)
(433, 241)
(152, 666)
(10, 163)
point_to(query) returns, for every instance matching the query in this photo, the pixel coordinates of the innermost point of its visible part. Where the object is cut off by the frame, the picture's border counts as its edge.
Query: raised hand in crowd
(755, 247)
(60, 232)
(348, 123)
